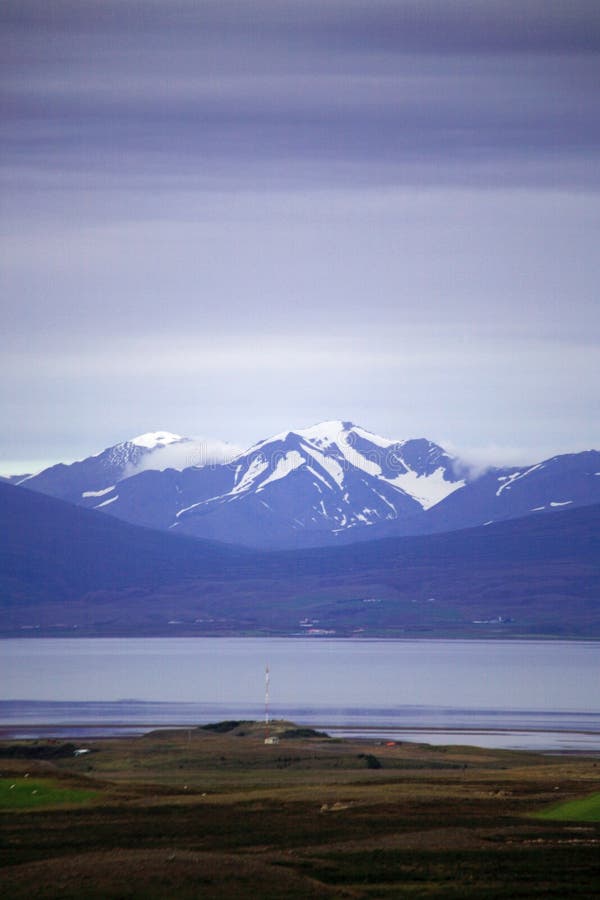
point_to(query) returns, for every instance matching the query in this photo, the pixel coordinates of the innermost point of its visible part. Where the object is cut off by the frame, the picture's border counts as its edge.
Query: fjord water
(527, 694)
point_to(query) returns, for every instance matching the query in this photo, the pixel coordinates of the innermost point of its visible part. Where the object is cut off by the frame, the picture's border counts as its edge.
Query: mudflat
(214, 812)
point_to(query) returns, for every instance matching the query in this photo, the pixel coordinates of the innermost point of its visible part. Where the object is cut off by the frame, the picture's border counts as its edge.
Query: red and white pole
(267, 680)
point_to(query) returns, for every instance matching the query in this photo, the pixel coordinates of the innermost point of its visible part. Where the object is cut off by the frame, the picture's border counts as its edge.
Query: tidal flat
(214, 812)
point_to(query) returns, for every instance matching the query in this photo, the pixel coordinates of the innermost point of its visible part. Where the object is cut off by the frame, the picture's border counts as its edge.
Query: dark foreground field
(217, 814)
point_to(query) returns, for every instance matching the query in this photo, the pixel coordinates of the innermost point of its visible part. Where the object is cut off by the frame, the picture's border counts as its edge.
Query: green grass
(30, 793)
(585, 810)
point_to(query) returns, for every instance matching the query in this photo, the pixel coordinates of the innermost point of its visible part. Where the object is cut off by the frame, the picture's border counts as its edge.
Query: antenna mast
(267, 680)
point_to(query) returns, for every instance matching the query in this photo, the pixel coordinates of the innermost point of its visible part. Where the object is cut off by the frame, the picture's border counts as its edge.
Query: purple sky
(229, 218)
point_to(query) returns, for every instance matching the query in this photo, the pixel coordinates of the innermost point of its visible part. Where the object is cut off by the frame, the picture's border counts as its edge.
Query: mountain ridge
(328, 484)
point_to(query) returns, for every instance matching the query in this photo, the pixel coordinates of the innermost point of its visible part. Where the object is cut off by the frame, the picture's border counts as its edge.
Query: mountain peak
(152, 439)
(324, 434)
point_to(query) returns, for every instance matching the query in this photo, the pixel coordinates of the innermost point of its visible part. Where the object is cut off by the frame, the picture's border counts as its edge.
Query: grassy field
(201, 813)
(33, 793)
(586, 809)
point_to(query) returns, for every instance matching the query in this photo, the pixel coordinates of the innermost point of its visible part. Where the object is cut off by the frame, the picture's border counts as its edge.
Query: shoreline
(74, 633)
(549, 741)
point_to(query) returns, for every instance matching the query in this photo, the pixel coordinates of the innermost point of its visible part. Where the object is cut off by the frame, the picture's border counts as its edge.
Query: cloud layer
(232, 218)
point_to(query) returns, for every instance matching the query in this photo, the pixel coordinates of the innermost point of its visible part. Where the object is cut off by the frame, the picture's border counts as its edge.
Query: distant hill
(64, 569)
(53, 550)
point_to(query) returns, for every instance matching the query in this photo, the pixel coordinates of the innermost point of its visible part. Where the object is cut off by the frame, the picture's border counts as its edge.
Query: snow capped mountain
(329, 483)
(93, 476)
(298, 481)
(418, 468)
(330, 477)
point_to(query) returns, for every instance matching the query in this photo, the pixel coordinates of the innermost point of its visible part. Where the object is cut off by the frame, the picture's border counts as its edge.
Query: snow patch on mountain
(352, 456)
(257, 466)
(106, 502)
(375, 438)
(386, 502)
(324, 434)
(322, 480)
(509, 480)
(292, 460)
(185, 509)
(101, 493)
(426, 489)
(331, 466)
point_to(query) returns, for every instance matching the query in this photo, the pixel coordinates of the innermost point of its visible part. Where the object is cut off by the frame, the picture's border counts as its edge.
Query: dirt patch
(159, 874)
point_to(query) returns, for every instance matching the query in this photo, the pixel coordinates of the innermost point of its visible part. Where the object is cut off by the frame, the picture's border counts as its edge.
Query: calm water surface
(510, 693)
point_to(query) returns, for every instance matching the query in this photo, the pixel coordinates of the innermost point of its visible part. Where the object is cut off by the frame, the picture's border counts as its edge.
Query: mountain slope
(569, 480)
(54, 550)
(93, 478)
(562, 482)
(535, 575)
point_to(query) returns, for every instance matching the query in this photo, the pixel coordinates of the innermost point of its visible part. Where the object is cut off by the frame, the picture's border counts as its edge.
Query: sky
(227, 219)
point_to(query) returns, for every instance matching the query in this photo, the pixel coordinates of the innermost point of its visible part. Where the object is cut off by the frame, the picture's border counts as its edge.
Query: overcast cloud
(231, 218)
